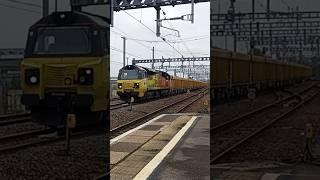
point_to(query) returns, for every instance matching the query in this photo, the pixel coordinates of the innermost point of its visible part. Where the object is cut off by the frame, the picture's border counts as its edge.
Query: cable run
(119, 50)
(25, 3)
(136, 40)
(21, 9)
(185, 45)
(154, 33)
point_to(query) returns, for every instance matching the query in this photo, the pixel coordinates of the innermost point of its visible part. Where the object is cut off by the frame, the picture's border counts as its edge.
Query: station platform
(170, 146)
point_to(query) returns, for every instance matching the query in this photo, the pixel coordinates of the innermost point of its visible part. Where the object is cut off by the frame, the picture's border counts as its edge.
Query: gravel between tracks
(123, 115)
(87, 159)
(200, 106)
(224, 112)
(18, 128)
(282, 142)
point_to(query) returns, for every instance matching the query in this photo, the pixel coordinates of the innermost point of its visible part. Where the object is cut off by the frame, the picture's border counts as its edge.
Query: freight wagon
(232, 74)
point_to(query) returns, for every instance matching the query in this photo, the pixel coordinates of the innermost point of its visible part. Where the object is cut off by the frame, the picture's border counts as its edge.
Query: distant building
(10, 60)
(10, 91)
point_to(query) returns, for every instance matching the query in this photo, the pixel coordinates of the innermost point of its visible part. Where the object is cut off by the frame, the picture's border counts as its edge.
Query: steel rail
(248, 114)
(142, 118)
(268, 124)
(138, 120)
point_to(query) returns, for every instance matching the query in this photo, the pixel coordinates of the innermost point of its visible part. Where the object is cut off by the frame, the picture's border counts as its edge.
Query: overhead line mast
(271, 30)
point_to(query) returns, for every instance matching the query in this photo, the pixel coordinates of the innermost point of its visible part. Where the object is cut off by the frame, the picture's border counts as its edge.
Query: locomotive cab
(131, 82)
(65, 69)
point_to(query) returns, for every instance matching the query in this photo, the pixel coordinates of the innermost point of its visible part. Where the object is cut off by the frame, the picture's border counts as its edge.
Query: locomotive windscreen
(62, 40)
(130, 74)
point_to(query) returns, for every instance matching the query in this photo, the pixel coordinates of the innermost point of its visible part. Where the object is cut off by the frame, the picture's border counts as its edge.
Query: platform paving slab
(190, 157)
(143, 145)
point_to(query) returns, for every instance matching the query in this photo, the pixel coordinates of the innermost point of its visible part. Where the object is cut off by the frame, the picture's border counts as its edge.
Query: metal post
(251, 54)
(318, 47)
(182, 68)
(152, 57)
(67, 140)
(253, 9)
(2, 100)
(192, 11)
(268, 9)
(56, 5)
(226, 42)
(124, 51)
(234, 42)
(111, 13)
(158, 21)
(270, 43)
(45, 8)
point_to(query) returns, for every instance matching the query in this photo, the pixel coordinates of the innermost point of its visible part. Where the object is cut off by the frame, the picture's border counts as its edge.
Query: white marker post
(71, 123)
(251, 95)
(131, 102)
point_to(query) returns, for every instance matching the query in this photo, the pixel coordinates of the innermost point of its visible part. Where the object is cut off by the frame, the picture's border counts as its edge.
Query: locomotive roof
(70, 18)
(132, 67)
(129, 67)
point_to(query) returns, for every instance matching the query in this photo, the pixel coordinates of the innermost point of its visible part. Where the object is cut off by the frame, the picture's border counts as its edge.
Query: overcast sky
(14, 24)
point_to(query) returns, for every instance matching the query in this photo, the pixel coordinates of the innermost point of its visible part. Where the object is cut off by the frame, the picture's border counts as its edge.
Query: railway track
(26, 117)
(115, 99)
(122, 104)
(190, 100)
(14, 119)
(185, 102)
(34, 135)
(9, 142)
(32, 138)
(235, 132)
(20, 141)
(118, 105)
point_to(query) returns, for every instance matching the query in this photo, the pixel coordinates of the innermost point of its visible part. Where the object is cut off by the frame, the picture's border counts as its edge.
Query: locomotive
(66, 68)
(144, 83)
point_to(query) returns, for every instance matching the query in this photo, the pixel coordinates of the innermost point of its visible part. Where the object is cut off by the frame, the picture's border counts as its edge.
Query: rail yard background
(269, 129)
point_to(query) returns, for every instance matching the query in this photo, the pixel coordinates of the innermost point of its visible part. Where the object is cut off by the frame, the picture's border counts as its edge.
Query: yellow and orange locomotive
(142, 83)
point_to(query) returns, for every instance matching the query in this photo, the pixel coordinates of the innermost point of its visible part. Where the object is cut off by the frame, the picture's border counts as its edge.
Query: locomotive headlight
(86, 76)
(33, 79)
(88, 71)
(120, 85)
(32, 76)
(136, 85)
(62, 16)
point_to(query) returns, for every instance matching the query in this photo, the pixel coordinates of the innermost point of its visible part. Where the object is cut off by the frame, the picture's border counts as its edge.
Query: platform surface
(160, 149)
(190, 158)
